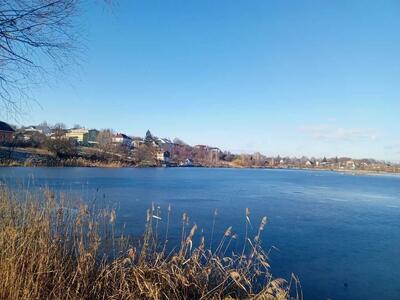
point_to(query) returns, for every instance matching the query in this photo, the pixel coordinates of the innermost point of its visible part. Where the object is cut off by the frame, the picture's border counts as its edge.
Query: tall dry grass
(50, 251)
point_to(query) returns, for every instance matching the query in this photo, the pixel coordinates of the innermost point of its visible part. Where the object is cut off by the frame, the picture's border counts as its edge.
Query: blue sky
(319, 78)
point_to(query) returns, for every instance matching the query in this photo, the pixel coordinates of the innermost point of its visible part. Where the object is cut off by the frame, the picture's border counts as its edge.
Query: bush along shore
(51, 250)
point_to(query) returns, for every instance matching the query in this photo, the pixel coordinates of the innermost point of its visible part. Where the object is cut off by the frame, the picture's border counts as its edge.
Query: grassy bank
(68, 162)
(51, 250)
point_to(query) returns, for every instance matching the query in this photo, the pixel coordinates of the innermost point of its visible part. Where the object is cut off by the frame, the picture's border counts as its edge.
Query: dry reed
(50, 251)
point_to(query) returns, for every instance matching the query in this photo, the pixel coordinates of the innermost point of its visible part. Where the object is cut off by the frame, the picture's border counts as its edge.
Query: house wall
(79, 137)
(118, 140)
(6, 136)
(121, 140)
(163, 156)
(92, 135)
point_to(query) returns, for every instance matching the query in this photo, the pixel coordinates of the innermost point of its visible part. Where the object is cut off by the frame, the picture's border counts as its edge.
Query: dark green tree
(149, 138)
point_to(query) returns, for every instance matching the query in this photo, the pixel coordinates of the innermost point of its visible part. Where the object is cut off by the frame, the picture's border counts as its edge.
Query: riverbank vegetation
(54, 249)
(45, 145)
(53, 154)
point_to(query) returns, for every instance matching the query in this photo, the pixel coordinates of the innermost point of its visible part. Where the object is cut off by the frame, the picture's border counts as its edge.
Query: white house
(309, 163)
(187, 163)
(137, 142)
(122, 139)
(350, 164)
(163, 156)
(32, 129)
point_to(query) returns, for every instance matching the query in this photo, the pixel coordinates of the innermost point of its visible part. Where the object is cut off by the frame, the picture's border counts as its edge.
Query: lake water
(339, 233)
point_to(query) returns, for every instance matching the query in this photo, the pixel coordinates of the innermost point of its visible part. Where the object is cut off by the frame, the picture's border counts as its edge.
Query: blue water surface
(338, 232)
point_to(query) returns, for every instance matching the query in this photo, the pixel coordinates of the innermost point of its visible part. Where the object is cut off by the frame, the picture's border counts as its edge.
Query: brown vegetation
(48, 250)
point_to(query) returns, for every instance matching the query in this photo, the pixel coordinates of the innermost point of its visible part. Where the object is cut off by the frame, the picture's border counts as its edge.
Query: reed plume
(50, 250)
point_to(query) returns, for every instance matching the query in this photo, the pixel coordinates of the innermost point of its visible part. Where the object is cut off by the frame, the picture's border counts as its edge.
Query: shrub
(63, 148)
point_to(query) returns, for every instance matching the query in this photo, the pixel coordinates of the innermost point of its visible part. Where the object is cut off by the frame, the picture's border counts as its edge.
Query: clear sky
(319, 78)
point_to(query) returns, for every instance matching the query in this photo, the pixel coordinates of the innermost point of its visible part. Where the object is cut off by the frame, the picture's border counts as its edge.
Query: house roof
(121, 135)
(5, 127)
(163, 141)
(78, 130)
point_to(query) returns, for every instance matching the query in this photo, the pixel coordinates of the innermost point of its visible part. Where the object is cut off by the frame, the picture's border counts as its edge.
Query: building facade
(80, 135)
(6, 133)
(122, 139)
(163, 156)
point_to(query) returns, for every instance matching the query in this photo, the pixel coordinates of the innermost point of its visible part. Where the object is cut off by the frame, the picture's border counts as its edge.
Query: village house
(201, 147)
(92, 137)
(162, 141)
(163, 156)
(310, 164)
(350, 164)
(271, 161)
(214, 153)
(32, 129)
(164, 144)
(27, 133)
(80, 135)
(122, 139)
(6, 133)
(137, 141)
(187, 163)
(58, 133)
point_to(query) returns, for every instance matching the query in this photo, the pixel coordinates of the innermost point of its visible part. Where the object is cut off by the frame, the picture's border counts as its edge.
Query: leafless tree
(59, 130)
(104, 140)
(145, 154)
(34, 35)
(178, 141)
(59, 125)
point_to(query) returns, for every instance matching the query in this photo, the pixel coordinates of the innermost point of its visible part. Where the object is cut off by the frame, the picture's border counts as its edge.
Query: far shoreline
(112, 166)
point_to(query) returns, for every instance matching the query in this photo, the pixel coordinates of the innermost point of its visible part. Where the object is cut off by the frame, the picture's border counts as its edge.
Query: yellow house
(80, 135)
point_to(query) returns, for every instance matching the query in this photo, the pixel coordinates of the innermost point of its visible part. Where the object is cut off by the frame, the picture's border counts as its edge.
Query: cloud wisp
(394, 148)
(327, 132)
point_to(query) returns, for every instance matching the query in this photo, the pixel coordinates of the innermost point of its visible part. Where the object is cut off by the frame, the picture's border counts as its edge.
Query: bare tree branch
(34, 34)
